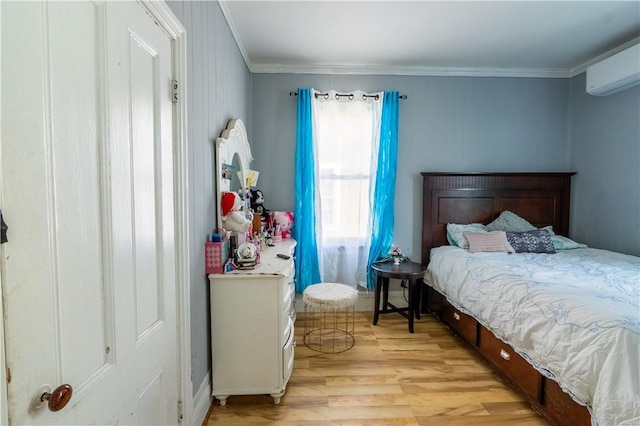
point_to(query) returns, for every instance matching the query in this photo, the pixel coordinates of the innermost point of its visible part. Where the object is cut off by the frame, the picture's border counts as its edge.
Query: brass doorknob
(58, 398)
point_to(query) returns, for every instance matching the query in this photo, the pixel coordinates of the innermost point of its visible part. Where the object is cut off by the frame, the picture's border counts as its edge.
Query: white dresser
(252, 317)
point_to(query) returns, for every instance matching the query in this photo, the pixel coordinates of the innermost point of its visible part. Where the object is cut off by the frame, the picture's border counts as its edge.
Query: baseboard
(366, 300)
(202, 401)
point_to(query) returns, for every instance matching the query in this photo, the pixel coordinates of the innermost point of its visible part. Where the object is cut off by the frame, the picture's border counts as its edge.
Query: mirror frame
(232, 141)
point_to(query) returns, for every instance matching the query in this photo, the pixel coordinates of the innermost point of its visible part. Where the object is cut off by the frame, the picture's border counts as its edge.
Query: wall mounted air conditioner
(616, 73)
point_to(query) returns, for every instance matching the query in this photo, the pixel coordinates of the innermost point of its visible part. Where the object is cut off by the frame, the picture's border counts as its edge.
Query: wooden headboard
(541, 198)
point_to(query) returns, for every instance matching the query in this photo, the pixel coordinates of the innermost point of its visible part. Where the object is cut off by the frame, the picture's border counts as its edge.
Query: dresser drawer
(285, 319)
(287, 356)
(516, 368)
(287, 285)
(463, 324)
(292, 306)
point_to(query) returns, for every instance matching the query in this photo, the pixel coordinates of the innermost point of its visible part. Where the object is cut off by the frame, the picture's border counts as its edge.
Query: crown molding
(234, 33)
(423, 71)
(410, 71)
(583, 67)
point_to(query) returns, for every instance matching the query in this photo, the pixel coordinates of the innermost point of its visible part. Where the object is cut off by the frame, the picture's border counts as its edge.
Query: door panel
(144, 80)
(75, 195)
(87, 170)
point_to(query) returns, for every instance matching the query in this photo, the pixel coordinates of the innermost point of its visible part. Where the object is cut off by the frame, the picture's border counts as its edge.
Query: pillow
(538, 241)
(564, 243)
(494, 241)
(455, 233)
(549, 229)
(508, 221)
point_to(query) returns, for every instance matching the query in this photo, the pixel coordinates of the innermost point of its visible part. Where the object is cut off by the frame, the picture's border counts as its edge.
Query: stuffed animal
(257, 203)
(284, 223)
(232, 218)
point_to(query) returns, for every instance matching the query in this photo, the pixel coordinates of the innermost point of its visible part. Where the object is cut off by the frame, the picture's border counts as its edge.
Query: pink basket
(215, 256)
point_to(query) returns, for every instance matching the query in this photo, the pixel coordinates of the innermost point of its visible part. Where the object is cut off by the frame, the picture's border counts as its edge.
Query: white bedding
(575, 315)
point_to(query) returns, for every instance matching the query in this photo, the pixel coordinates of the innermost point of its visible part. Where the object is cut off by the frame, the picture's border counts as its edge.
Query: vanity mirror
(233, 160)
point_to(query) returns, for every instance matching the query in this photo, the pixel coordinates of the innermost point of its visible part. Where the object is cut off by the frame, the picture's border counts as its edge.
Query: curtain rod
(345, 95)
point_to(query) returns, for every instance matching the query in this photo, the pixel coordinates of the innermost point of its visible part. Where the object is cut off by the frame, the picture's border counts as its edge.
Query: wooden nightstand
(411, 273)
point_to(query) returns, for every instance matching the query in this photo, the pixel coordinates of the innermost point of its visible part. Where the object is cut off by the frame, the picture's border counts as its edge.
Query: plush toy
(232, 218)
(284, 223)
(257, 203)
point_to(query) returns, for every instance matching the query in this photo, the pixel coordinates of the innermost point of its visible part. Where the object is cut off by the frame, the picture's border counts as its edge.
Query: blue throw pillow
(455, 233)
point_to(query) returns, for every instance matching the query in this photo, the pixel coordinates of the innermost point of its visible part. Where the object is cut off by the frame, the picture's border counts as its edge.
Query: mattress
(574, 315)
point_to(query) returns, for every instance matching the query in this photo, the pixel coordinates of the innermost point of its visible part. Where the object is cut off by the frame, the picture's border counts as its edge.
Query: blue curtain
(304, 231)
(384, 193)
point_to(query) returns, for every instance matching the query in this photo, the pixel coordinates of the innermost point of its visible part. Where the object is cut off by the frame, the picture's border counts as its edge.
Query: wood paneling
(541, 198)
(217, 89)
(390, 377)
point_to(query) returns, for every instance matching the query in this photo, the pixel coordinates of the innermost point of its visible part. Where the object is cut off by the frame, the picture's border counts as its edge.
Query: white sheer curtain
(346, 137)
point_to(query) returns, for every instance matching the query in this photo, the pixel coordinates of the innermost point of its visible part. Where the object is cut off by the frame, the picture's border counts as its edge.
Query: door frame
(4, 401)
(165, 18)
(160, 12)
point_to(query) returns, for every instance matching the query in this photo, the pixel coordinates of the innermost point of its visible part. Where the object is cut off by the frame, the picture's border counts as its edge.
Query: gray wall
(218, 89)
(605, 151)
(446, 124)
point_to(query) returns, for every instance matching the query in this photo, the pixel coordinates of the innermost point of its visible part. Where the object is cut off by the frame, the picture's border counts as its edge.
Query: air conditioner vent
(616, 73)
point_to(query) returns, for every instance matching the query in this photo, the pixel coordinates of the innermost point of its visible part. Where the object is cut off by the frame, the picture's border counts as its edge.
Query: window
(332, 152)
(344, 131)
(344, 160)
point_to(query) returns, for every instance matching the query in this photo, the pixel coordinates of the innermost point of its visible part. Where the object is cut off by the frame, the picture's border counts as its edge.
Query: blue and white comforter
(575, 315)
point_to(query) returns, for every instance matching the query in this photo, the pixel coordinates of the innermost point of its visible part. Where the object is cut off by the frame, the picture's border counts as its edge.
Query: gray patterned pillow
(537, 241)
(510, 222)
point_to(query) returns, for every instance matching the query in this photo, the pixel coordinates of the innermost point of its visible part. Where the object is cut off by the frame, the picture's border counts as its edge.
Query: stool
(329, 324)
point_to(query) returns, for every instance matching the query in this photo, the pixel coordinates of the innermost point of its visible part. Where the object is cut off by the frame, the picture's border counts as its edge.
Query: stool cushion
(329, 296)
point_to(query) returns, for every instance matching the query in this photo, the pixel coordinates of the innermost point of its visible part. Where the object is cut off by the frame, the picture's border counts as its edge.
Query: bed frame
(541, 198)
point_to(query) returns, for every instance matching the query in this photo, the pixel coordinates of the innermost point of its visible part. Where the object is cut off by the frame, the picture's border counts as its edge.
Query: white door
(87, 173)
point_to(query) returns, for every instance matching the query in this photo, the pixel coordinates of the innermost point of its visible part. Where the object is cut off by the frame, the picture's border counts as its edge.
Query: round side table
(412, 273)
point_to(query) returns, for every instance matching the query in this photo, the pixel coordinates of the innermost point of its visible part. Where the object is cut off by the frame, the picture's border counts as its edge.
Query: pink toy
(232, 218)
(284, 223)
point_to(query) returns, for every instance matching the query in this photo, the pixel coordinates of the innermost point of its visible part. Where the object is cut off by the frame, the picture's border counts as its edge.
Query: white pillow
(493, 241)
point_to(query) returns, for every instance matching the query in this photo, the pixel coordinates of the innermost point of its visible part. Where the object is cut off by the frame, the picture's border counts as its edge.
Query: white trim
(234, 32)
(410, 71)
(202, 401)
(165, 18)
(4, 402)
(583, 67)
(422, 71)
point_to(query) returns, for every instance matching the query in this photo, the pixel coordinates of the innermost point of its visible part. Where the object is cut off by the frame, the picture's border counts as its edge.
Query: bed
(531, 315)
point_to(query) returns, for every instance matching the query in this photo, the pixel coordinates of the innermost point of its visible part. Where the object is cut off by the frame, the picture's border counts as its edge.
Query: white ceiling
(480, 38)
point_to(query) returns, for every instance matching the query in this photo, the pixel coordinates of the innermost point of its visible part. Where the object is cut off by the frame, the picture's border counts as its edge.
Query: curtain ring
(326, 96)
(350, 96)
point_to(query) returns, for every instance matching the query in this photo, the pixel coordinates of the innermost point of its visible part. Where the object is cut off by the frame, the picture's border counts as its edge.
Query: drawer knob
(456, 316)
(505, 355)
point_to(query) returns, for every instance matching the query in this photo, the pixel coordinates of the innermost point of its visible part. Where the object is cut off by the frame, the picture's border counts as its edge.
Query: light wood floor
(390, 377)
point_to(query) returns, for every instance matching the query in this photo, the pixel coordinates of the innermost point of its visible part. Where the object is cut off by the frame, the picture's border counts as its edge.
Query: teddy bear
(257, 203)
(233, 219)
(284, 223)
